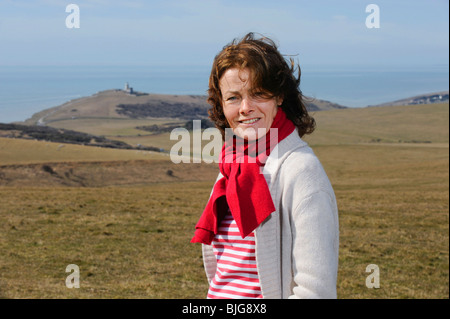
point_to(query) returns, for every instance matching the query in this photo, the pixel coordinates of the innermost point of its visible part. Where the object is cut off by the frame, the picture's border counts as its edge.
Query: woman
(270, 228)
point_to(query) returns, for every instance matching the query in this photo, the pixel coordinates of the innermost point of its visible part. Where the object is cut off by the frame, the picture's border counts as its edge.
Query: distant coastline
(430, 98)
(28, 90)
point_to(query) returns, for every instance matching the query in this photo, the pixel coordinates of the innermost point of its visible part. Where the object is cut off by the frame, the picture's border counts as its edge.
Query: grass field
(130, 234)
(17, 151)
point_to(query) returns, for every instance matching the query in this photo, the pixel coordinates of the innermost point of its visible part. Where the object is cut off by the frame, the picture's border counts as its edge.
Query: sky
(190, 32)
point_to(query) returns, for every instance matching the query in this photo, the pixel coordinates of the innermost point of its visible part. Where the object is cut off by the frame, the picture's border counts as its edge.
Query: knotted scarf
(243, 188)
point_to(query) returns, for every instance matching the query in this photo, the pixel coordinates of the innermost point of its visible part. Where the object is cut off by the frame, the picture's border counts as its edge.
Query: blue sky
(191, 32)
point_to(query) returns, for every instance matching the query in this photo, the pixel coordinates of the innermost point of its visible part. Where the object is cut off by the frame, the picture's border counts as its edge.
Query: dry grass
(18, 151)
(128, 242)
(111, 126)
(104, 173)
(409, 124)
(133, 242)
(393, 208)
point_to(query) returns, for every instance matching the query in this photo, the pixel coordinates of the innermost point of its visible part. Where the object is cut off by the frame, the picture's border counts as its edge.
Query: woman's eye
(260, 95)
(232, 98)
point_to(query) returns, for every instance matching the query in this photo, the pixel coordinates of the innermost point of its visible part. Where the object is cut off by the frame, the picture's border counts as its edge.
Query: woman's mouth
(249, 121)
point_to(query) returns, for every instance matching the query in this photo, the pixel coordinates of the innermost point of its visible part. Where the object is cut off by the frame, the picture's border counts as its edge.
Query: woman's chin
(249, 133)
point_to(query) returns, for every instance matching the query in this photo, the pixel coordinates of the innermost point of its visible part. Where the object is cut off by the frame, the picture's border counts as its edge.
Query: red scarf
(243, 189)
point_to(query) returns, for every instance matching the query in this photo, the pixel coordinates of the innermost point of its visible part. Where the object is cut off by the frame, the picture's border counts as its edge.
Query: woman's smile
(250, 121)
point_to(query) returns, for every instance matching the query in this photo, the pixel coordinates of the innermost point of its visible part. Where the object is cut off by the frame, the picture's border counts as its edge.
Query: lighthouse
(128, 89)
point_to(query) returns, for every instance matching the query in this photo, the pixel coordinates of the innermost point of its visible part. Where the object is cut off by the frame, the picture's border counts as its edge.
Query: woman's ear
(279, 100)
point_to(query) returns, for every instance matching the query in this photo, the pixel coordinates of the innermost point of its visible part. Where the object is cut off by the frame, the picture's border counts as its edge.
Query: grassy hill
(427, 123)
(21, 151)
(119, 116)
(125, 217)
(119, 105)
(46, 133)
(105, 105)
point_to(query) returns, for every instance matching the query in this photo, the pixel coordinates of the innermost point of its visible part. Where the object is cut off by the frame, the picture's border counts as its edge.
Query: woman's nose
(246, 106)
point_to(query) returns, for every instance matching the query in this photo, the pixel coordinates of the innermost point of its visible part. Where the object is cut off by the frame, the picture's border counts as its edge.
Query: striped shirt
(236, 273)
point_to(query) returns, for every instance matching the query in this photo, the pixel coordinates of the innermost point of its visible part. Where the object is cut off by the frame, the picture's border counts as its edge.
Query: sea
(25, 90)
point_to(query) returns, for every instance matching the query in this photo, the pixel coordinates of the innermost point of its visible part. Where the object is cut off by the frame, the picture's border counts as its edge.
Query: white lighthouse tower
(128, 89)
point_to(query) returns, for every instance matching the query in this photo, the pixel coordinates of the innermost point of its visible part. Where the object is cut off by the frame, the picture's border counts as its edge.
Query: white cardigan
(297, 245)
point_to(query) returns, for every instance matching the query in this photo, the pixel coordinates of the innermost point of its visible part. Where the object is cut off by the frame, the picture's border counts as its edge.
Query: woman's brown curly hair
(269, 71)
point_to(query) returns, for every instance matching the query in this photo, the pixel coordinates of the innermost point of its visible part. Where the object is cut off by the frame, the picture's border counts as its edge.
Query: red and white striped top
(236, 275)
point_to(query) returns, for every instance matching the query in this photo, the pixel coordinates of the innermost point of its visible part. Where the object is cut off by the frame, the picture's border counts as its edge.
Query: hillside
(415, 125)
(16, 151)
(117, 104)
(145, 121)
(46, 133)
(425, 124)
(141, 120)
(430, 98)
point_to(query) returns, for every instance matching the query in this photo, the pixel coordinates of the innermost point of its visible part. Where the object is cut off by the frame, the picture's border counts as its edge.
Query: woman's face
(249, 113)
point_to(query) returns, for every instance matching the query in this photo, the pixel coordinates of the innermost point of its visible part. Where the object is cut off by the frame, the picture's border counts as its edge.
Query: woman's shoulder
(299, 156)
(292, 157)
(303, 169)
(302, 162)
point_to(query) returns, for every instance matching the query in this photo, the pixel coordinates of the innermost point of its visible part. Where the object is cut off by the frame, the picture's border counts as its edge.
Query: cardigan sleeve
(315, 246)
(209, 259)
